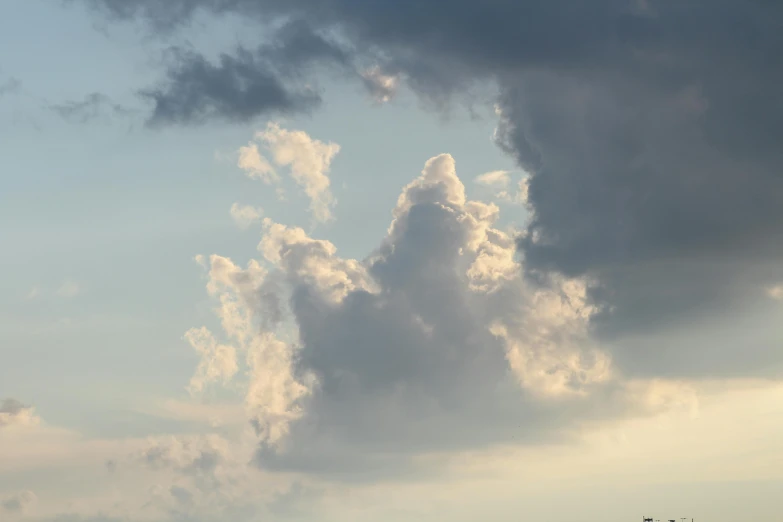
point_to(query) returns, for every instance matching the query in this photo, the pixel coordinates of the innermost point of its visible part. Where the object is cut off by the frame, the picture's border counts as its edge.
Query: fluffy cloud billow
(434, 342)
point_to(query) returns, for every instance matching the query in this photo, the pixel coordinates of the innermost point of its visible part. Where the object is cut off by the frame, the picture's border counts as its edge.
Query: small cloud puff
(308, 161)
(382, 87)
(245, 215)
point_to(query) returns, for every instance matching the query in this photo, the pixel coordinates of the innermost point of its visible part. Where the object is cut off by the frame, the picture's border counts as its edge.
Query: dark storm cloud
(651, 130)
(236, 89)
(268, 80)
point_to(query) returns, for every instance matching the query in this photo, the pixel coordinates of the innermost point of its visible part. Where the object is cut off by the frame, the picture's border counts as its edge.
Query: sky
(395, 260)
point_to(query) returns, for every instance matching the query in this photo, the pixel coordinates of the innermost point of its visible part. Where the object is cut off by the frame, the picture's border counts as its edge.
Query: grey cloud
(650, 189)
(237, 89)
(94, 106)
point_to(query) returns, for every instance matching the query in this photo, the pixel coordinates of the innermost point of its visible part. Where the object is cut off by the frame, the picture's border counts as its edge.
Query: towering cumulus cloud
(356, 365)
(14, 413)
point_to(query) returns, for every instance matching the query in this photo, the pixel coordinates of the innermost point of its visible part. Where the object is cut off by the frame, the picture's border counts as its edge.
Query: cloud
(249, 307)
(775, 292)
(255, 165)
(245, 215)
(308, 161)
(195, 477)
(382, 87)
(652, 147)
(358, 367)
(496, 178)
(218, 361)
(94, 106)
(238, 88)
(14, 413)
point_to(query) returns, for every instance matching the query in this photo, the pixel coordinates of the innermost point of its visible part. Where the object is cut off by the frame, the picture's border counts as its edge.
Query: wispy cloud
(496, 179)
